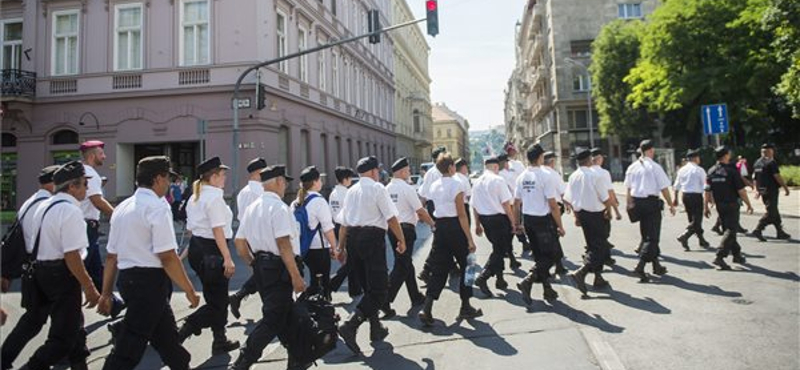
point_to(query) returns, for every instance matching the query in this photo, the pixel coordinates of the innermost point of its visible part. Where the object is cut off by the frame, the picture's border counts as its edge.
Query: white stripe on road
(605, 355)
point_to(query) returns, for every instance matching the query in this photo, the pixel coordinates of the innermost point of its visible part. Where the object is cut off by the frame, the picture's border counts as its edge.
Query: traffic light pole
(244, 74)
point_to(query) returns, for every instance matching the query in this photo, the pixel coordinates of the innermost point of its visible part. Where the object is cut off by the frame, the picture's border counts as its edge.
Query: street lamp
(90, 114)
(588, 96)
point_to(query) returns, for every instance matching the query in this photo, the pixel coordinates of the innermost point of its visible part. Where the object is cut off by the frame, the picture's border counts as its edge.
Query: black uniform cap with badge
(435, 153)
(46, 175)
(274, 171)
(310, 173)
(491, 160)
(210, 164)
(154, 166)
(596, 152)
(548, 155)
(691, 153)
(721, 151)
(400, 164)
(256, 164)
(69, 171)
(460, 163)
(367, 164)
(343, 173)
(534, 152)
(582, 154)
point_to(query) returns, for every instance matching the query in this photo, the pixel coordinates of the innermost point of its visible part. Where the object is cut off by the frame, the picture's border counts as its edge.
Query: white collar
(66, 196)
(209, 189)
(146, 191)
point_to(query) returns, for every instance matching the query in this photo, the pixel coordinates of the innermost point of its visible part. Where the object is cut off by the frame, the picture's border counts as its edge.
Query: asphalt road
(694, 317)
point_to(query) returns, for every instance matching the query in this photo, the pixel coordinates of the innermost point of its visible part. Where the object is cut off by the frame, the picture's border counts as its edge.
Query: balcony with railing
(18, 84)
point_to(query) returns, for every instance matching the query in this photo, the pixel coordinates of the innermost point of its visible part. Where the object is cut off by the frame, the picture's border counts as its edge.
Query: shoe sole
(470, 316)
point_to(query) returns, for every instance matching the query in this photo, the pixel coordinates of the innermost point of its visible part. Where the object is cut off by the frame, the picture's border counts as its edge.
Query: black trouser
(498, 231)
(368, 246)
(772, 217)
(249, 287)
(345, 271)
(149, 319)
(543, 236)
(275, 288)
(319, 267)
(93, 261)
(403, 270)
(594, 233)
(60, 298)
(649, 210)
(729, 214)
(28, 326)
(206, 261)
(450, 246)
(694, 211)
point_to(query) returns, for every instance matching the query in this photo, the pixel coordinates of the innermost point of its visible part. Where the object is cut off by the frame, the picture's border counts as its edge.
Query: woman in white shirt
(452, 240)
(209, 220)
(320, 222)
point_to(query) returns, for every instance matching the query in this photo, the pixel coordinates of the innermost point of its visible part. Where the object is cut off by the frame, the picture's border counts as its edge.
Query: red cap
(92, 144)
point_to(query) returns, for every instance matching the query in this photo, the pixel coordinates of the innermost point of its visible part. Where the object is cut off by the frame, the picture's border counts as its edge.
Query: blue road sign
(715, 119)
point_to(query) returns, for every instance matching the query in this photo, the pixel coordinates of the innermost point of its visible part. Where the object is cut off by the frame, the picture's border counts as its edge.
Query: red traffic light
(431, 5)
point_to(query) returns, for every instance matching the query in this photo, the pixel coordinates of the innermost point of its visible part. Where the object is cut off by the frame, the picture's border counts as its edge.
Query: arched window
(63, 137)
(9, 140)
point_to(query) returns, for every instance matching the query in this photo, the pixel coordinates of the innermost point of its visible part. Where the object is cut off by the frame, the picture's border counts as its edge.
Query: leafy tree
(782, 20)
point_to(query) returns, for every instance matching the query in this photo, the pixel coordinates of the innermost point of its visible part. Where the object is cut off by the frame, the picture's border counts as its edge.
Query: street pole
(244, 74)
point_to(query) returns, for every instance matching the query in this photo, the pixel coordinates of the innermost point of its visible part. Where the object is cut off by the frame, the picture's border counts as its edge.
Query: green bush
(791, 174)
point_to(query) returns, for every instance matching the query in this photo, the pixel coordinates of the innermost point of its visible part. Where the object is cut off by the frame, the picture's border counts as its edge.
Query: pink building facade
(156, 77)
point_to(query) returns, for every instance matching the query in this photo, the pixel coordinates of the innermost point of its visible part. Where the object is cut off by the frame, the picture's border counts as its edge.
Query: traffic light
(374, 22)
(433, 17)
(261, 96)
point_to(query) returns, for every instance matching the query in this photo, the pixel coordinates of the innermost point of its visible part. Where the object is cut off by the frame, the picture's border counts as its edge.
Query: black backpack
(14, 254)
(313, 330)
(179, 206)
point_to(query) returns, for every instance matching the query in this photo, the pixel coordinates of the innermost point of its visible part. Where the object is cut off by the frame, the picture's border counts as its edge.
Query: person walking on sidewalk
(249, 194)
(724, 187)
(368, 212)
(209, 219)
(409, 211)
(267, 239)
(645, 180)
(452, 241)
(344, 179)
(493, 210)
(549, 167)
(535, 199)
(588, 195)
(142, 246)
(691, 180)
(768, 182)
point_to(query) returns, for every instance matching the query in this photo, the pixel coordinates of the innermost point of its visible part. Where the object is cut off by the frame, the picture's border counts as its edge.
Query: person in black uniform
(768, 180)
(367, 214)
(267, 240)
(142, 245)
(725, 187)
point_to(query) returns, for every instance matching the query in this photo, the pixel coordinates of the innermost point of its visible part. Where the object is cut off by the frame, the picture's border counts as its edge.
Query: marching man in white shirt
(59, 274)
(591, 204)
(550, 168)
(646, 180)
(142, 246)
(535, 197)
(691, 180)
(344, 179)
(462, 175)
(410, 211)
(597, 165)
(249, 193)
(267, 240)
(510, 176)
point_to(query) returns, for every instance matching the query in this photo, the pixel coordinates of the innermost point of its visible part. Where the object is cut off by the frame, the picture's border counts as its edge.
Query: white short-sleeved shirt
(535, 188)
(443, 194)
(512, 173)
(430, 177)
(207, 212)
(406, 201)
(94, 187)
(266, 220)
(367, 204)
(558, 180)
(62, 229)
(319, 213)
(691, 179)
(489, 193)
(585, 191)
(28, 228)
(247, 196)
(605, 176)
(140, 229)
(646, 178)
(336, 200)
(466, 186)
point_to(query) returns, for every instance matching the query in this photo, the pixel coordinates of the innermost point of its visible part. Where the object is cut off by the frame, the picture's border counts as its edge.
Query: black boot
(739, 258)
(241, 363)
(640, 273)
(468, 312)
(349, 330)
(186, 331)
(388, 311)
(658, 269)
(426, 315)
(222, 344)
(549, 293)
(513, 263)
(703, 242)
(758, 235)
(782, 235)
(377, 332)
(236, 302)
(717, 229)
(560, 269)
(579, 277)
(684, 239)
(721, 265)
(525, 287)
(500, 283)
(480, 282)
(610, 262)
(599, 282)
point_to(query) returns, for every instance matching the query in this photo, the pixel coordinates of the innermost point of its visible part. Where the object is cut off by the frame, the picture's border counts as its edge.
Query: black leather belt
(407, 224)
(51, 263)
(366, 228)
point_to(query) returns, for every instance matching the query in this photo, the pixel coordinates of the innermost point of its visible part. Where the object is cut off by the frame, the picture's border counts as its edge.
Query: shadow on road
(788, 275)
(577, 316)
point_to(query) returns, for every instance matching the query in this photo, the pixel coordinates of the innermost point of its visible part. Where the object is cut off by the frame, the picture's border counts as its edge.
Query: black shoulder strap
(35, 252)
(37, 200)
